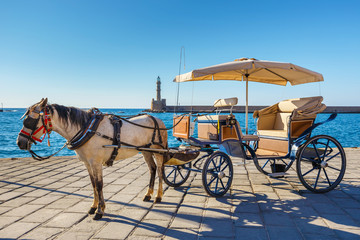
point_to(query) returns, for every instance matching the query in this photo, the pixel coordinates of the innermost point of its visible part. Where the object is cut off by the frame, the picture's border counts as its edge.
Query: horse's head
(36, 124)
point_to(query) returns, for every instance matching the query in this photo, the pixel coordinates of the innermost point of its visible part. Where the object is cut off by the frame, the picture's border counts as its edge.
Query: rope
(178, 85)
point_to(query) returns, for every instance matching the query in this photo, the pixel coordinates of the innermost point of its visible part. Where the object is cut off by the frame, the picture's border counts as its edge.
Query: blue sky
(109, 53)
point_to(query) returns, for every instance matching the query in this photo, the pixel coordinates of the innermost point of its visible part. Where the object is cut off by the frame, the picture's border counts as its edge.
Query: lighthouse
(158, 89)
(158, 105)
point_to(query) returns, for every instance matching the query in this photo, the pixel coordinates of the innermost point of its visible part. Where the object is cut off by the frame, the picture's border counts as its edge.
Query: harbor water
(345, 128)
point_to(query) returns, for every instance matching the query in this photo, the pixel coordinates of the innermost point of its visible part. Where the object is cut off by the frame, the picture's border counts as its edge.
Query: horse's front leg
(152, 167)
(93, 183)
(98, 179)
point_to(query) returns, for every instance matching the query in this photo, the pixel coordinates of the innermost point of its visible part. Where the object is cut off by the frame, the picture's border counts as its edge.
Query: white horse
(42, 118)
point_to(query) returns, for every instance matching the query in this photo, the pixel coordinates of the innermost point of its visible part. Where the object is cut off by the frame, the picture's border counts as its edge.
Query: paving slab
(50, 200)
(16, 230)
(43, 233)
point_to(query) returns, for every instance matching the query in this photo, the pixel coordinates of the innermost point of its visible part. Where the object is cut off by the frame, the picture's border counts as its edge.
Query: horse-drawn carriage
(283, 135)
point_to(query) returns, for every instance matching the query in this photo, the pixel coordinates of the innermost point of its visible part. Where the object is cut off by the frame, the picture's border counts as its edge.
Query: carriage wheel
(217, 174)
(175, 176)
(321, 164)
(273, 167)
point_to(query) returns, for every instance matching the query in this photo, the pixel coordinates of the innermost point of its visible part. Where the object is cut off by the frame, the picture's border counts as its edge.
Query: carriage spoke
(216, 185)
(308, 172)
(221, 162)
(211, 181)
(332, 157)
(181, 175)
(222, 184)
(327, 178)
(317, 178)
(224, 167)
(212, 161)
(174, 176)
(170, 172)
(316, 151)
(334, 168)
(327, 145)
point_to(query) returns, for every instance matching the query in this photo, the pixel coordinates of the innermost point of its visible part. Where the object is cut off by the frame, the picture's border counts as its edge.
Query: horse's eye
(30, 123)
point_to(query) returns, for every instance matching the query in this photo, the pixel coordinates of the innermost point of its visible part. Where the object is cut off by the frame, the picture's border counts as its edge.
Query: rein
(41, 158)
(78, 140)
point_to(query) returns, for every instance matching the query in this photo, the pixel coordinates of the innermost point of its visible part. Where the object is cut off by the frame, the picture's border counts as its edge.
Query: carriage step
(278, 174)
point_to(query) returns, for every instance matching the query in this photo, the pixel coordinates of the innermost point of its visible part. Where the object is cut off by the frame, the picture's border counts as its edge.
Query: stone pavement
(50, 200)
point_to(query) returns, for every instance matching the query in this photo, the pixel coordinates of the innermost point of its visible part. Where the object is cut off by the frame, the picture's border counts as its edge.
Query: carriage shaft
(144, 149)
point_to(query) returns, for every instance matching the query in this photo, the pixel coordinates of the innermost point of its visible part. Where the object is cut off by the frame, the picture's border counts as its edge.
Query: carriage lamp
(230, 120)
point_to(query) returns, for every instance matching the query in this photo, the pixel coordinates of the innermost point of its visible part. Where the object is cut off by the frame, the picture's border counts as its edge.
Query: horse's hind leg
(160, 159)
(152, 167)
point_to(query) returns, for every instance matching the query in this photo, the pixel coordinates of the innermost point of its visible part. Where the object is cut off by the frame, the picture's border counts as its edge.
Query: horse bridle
(31, 123)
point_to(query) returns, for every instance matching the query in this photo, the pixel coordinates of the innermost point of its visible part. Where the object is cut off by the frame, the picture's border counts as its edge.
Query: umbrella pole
(247, 104)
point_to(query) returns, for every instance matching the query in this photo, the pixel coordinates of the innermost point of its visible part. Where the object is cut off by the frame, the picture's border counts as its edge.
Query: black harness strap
(156, 130)
(86, 132)
(117, 123)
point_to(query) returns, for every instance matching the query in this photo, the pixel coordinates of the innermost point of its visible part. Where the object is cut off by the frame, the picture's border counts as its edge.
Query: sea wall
(241, 109)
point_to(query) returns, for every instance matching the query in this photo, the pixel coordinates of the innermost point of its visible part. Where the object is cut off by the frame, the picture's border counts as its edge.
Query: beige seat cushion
(273, 133)
(281, 121)
(292, 104)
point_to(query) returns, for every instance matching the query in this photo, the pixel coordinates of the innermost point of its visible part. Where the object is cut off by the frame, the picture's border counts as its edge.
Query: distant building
(158, 105)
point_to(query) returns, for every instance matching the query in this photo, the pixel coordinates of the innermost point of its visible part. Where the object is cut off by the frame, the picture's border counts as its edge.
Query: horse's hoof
(97, 216)
(158, 200)
(147, 198)
(92, 211)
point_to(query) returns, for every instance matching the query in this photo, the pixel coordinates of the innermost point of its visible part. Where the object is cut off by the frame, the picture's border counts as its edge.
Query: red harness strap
(46, 120)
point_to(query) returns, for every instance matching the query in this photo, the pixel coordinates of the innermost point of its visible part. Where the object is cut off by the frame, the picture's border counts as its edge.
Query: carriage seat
(297, 114)
(226, 102)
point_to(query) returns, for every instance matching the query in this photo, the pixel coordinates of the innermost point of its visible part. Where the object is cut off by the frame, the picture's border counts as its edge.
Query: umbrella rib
(276, 74)
(255, 70)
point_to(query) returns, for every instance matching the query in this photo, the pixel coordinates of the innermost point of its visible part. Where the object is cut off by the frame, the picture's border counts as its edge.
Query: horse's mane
(73, 115)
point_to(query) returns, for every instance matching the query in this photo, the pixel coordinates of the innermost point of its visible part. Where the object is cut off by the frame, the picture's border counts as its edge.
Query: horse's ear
(43, 102)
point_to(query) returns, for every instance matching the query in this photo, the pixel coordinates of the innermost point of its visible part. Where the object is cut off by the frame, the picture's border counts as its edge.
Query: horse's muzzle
(23, 143)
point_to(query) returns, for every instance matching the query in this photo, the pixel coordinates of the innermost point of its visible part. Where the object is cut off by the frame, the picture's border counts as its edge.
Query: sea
(345, 128)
